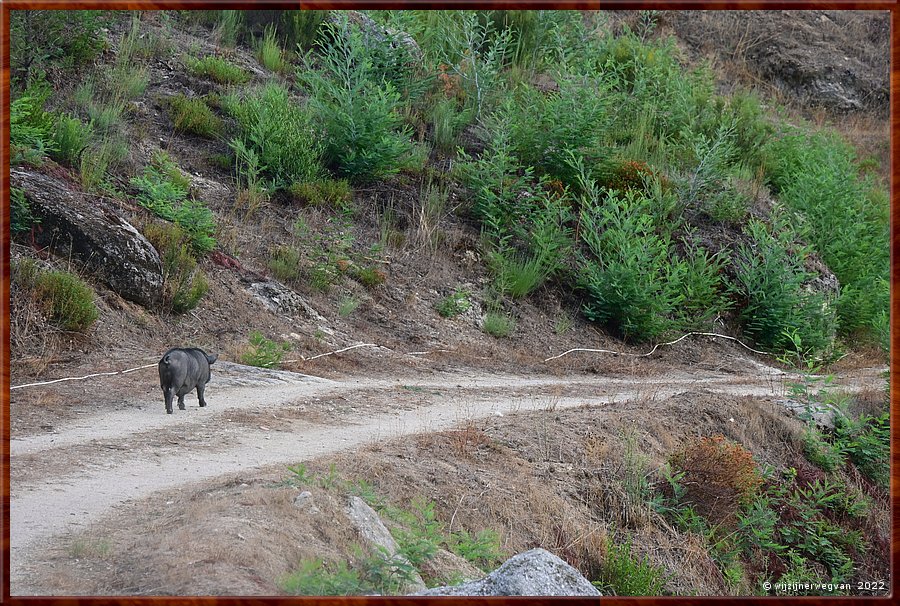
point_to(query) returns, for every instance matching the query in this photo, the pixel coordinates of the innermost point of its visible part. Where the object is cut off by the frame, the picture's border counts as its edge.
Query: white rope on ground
(655, 347)
(96, 374)
(415, 353)
(331, 353)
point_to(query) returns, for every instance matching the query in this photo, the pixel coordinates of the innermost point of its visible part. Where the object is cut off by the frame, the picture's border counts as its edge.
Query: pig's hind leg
(181, 402)
(169, 394)
(200, 389)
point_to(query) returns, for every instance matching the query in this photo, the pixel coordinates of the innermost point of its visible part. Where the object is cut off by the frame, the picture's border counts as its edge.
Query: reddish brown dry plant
(632, 174)
(719, 477)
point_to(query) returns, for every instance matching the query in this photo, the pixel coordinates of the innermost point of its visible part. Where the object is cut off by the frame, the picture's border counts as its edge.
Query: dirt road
(68, 479)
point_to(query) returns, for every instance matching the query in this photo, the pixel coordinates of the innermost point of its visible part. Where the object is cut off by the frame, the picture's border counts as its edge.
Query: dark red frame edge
(890, 5)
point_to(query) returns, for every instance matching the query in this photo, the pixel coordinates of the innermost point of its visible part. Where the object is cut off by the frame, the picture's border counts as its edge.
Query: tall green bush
(631, 274)
(816, 175)
(771, 279)
(364, 132)
(281, 132)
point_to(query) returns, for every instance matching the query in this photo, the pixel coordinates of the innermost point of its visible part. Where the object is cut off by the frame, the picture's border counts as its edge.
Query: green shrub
(447, 120)
(481, 549)
(631, 277)
(42, 38)
(284, 263)
(30, 127)
(624, 575)
(184, 284)
(866, 441)
(157, 191)
(541, 139)
(816, 174)
(280, 132)
(70, 138)
(100, 157)
(21, 219)
(192, 115)
(218, 69)
(69, 299)
(333, 192)
(771, 280)
(199, 222)
(453, 304)
(269, 53)
(314, 577)
(704, 295)
(264, 353)
(370, 277)
(548, 244)
(498, 324)
(364, 131)
(301, 27)
(163, 189)
(503, 197)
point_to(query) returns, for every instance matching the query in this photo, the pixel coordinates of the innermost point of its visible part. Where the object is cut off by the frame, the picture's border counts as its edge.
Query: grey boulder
(536, 572)
(75, 225)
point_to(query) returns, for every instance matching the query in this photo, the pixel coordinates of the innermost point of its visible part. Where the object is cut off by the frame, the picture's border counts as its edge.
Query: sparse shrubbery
(284, 263)
(192, 115)
(184, 283)
(453, 304)
(218, 70)
(66, 299)
(263, 352)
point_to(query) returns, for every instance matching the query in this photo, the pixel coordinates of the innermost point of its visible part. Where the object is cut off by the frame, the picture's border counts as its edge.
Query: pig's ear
(165, 359)
(212, 358)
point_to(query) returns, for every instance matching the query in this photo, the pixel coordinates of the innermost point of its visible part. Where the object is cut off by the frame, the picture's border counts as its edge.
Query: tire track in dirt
(52, 502)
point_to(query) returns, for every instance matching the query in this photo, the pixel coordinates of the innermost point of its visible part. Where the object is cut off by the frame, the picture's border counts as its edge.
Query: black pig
(180, 371)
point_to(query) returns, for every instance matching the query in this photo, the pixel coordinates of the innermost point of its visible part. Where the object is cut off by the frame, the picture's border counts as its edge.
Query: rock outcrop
(374, 532)
(76, 226)
(533, 573)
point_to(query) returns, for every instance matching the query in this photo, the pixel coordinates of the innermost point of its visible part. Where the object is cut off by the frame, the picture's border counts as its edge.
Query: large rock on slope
(75, 226)
(374, 532)
(533, 573)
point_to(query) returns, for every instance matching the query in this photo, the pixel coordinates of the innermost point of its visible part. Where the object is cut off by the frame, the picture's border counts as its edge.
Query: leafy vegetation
(280, 133)
(192, 115)
(218, 70)
(163, 189)
(184, 284)
(66, 299)
(624, 575)
(453, 304)
(264, 352)
(359, 108)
